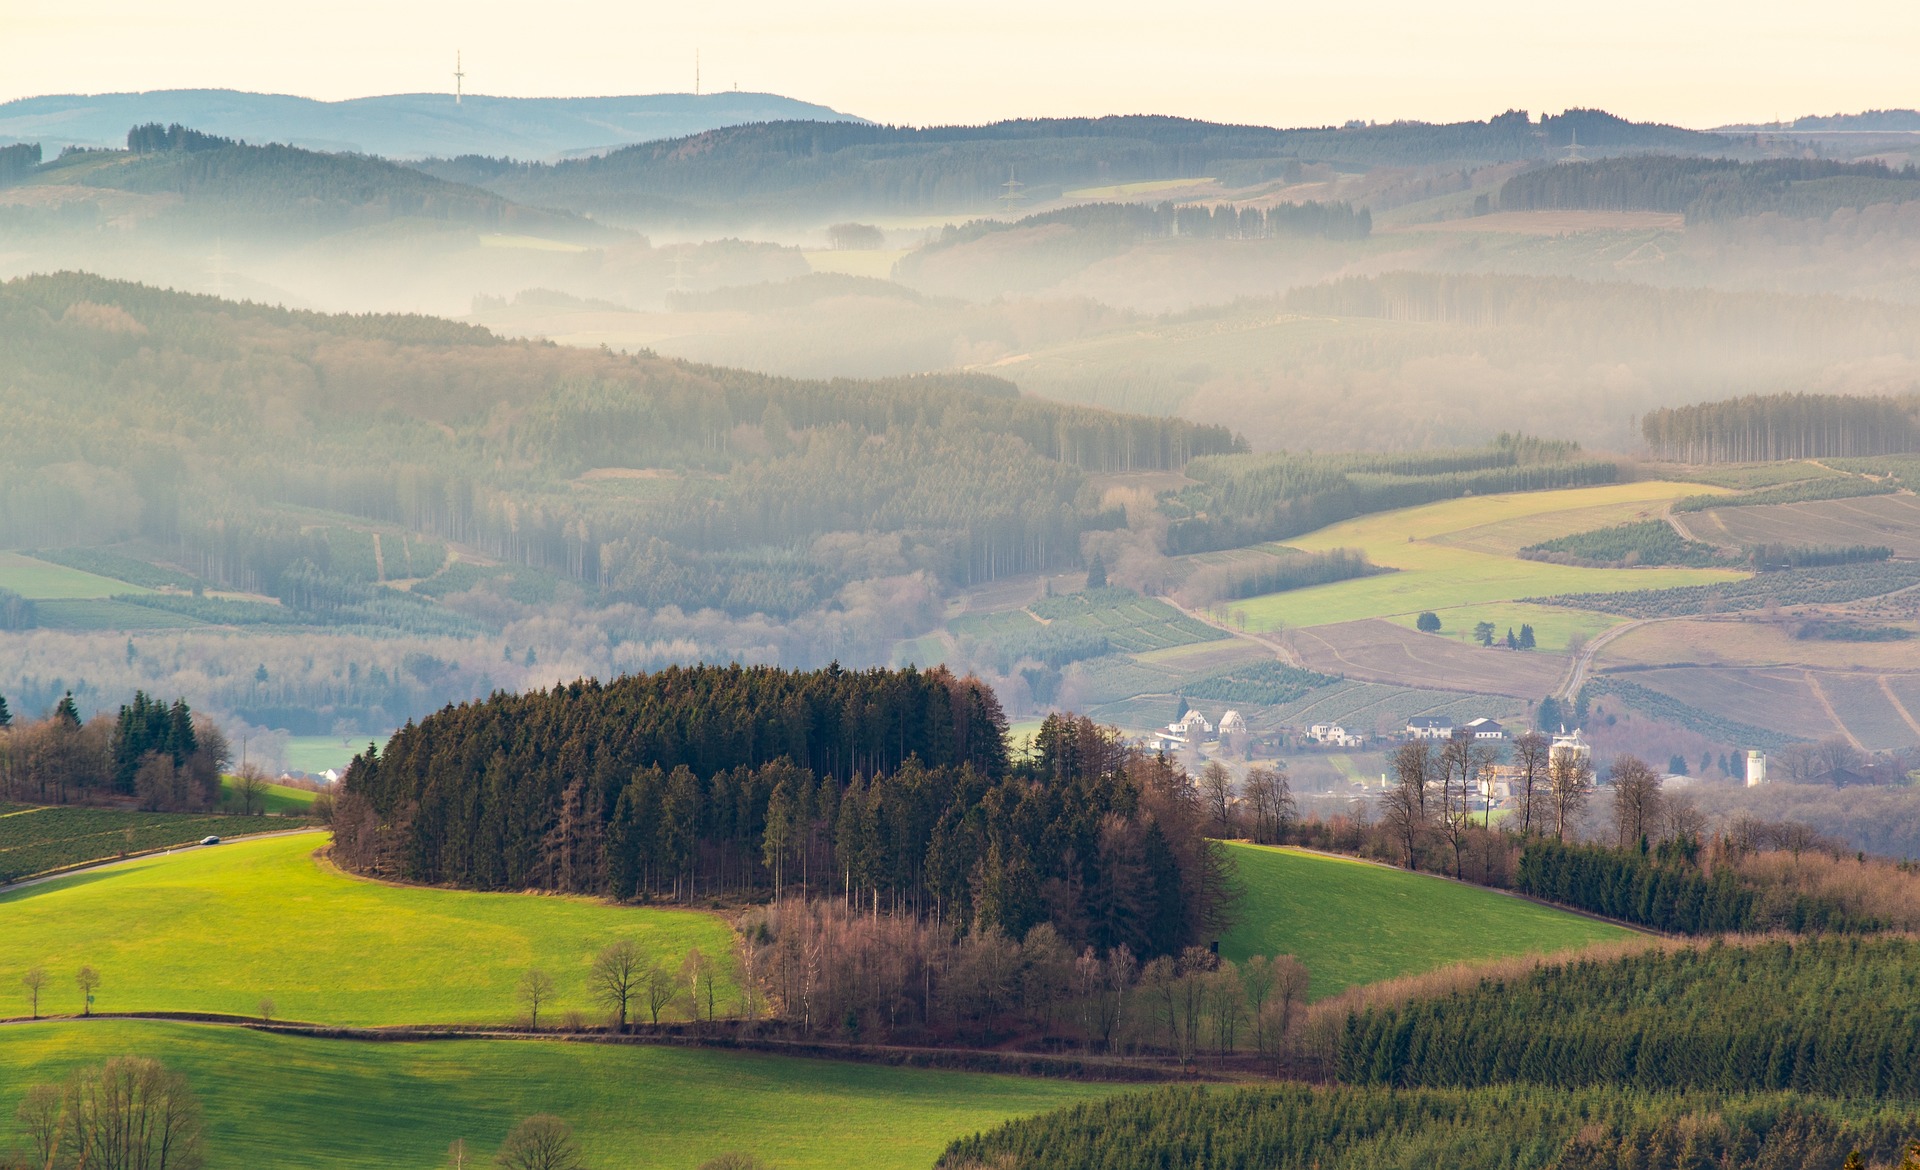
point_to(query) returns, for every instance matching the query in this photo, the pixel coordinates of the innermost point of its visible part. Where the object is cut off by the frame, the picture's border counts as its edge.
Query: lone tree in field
(541, 1142)
(34, 980)
(266, 1009)
(615, 977)
(250, 788)
(1569, 784)
(1427, 623)
(536, 988)
(87, 980)
(1483, 633)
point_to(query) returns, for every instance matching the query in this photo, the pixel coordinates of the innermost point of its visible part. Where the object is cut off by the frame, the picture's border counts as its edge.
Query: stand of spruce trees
(1835, 1016)
(1667, 889)
(891, 790)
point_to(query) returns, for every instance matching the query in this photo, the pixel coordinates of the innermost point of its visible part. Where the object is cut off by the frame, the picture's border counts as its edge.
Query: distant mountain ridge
(1865, 122)
(793, 169)
(417, 125)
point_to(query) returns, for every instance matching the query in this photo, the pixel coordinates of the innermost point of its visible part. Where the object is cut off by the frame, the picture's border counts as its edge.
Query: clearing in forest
(275, 1100)
(1352, 922)
(218, 929)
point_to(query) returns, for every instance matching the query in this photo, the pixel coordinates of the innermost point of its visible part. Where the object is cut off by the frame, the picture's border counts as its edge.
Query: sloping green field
(344, 1105)
(218, 929)
(41, 580)
(1353, 922)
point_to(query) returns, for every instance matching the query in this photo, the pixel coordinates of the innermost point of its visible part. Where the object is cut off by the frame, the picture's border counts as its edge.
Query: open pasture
(279, 1100)
(1352, 922)
(1436, 575)
(1132, 623)
(1893, 521)
(218, 929)
(1383, 651)
(1733, 641)
(103, 614)
(1554, 627)
(39, 580)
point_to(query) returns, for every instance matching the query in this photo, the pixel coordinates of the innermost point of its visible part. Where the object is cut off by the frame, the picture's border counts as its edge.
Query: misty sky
(1260, 61)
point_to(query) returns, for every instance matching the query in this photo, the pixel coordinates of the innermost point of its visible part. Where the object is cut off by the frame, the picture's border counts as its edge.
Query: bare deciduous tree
(34, 981)
(87, 980)
(1636, 799)
(457, 1157)
(698, 971)
(614, 977)
(535, 988)
(1271, 799)
(1216, 789)
(39, 1118)
(661, 989)
(1569, 784)
(1530, 763)
(250, 788)
(266, 1008)
(541, 1142)
(129, 1114)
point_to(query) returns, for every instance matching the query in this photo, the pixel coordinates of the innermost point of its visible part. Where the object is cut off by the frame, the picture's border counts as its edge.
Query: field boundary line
(1886, 689)
(1826, 704)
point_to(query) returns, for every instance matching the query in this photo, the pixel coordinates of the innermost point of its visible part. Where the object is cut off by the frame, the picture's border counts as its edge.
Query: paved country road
(147, 856)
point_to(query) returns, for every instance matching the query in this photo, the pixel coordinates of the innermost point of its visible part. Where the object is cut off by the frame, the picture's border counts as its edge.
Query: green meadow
(1351, 922)
(1442, 554)
(278, 800)
(44, 581)
(277, 1100)
(218, 929)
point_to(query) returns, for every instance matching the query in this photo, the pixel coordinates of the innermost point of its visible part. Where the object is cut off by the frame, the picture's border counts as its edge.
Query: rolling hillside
(333, 1105)
(1351, 922)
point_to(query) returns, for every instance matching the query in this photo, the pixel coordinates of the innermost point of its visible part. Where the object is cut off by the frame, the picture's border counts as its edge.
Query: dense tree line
(1707, 189)
(1300, 1127)
(160, 754)
(1292, 570)
(888, 789)
(1247, 499)
(1782, 426)
(18, 159)
(1834, 1016)
(153, 138)
(1669, 890)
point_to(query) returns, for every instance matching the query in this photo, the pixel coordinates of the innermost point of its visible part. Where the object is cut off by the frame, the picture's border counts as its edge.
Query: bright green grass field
(335, 1105)
(43, 581)
(317, 753)
(1435, 574)
(1352, 922)
(279, 799)
(218, 929)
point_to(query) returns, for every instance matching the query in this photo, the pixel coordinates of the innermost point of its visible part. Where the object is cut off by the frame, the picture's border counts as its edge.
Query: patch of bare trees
(131, 1113)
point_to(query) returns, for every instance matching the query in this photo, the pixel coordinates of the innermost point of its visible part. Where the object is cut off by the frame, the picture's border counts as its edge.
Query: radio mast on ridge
(459, 76)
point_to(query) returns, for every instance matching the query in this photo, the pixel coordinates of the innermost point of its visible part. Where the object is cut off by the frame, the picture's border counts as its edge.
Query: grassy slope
(218, 929)
(1436, 574)
(1352, 922)
(333, 1105)
(279, 799)
(317, 753)
(41, 580)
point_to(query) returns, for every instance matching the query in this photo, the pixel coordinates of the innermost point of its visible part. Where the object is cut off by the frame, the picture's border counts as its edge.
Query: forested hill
(1707, 189)
(214, 430)
(791, 167)
(196, 181)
